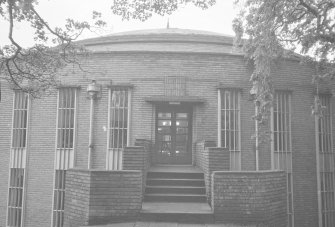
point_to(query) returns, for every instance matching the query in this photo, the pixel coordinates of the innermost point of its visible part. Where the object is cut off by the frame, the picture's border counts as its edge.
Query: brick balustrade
(210, 159)
(135, 158)
(99, 197)
(250, 197)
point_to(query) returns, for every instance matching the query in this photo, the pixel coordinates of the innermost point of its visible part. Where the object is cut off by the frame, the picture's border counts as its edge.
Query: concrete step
(169, 197)
(175, 175)
(175, 182)
(196, 213)
(175, 190)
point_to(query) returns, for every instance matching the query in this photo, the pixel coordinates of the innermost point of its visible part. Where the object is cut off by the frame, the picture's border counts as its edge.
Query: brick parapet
(138, 157)
(100, 197)
(255, 197)
(210, 159)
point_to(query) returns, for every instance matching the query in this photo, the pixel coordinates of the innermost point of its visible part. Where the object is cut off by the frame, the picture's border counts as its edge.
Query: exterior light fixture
(93, 89)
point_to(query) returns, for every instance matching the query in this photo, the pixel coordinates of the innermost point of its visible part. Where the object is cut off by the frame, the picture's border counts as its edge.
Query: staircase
(176, 193)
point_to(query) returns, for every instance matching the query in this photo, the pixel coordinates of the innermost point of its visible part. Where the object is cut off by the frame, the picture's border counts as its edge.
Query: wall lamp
(93, 89)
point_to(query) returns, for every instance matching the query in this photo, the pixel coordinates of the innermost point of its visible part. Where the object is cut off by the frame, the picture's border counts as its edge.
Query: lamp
(93, 89)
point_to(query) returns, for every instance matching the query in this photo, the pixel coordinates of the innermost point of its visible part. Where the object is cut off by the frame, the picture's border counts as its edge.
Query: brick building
(182, 96)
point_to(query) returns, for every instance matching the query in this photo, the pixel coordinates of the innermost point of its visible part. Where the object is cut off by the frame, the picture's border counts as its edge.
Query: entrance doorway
(173, 135)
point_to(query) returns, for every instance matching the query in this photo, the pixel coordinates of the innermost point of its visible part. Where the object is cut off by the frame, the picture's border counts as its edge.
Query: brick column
(135, 158)
(211, 159)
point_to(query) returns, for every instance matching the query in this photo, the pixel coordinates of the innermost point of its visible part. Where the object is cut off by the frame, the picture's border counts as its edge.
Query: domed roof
(162, 40)
(167, 31)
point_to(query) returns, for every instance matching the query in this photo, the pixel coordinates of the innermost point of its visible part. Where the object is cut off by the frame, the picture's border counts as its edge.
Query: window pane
(281, 154)
(118, 126)
(15, 196)
(230, 119)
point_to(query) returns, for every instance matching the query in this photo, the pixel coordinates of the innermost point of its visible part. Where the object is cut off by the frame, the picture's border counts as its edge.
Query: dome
(162, 40)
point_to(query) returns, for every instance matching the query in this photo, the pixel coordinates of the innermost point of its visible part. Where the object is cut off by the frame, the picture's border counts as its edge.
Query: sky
(218, 19)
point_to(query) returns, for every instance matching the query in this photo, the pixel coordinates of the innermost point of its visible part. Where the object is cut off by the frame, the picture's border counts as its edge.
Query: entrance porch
(175, 193)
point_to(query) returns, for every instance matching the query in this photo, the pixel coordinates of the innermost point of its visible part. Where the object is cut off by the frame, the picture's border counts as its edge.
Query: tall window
(64, 154)
(281, 144)
(229, 125)
(18, 155)
(326, 163)
(117, 126)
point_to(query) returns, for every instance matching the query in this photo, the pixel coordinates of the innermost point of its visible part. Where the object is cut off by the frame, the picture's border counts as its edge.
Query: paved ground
(167, 224)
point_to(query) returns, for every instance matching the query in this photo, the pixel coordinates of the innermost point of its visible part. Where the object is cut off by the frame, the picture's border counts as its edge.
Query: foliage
(280, 28)
(144, 9)
(34, 69)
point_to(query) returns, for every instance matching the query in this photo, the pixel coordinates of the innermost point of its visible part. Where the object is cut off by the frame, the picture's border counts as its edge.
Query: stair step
(175, 182)
(176, 175)
(178, 217)
(175, 189)
(175, 198)
(177, 212)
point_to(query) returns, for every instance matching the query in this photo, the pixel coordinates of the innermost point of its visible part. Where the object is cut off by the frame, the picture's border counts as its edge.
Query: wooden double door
(173, 135)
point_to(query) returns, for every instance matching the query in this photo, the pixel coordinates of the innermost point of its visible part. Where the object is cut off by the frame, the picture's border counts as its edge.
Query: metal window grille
(326, 164)
(64, 154)
(175, 86)
(118, 123)
(17, 163)
(229, 133)
(281, 144)
(15, 196)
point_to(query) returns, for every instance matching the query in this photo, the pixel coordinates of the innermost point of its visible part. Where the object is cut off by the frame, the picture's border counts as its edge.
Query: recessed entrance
(173, 135)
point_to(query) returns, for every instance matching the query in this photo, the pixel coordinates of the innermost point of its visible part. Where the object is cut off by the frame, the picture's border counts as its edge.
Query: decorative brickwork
(211, 159)
(250, 197)
(100, 197)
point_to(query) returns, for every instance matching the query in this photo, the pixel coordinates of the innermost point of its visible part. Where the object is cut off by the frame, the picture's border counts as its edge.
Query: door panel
(173, 135)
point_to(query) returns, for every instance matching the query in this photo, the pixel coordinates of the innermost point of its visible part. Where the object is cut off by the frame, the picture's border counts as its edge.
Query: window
(59, 198)
(281, 144)
(18, 160)
(229, 125)
(326, 163)
(64, 154)
(118, 124)
(174, 86)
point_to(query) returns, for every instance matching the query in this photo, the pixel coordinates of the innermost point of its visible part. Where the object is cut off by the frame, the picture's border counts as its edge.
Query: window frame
(235, 155)
(114, 157)
(287, 124)
(18, 155)
(322, 156)
(65, 157)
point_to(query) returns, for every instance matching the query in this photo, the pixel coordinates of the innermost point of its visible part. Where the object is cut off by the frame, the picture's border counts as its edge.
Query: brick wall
(250, 198)
(99, 197)
(138, 158)
(135, 158)
(146, 71)
(210, 159)
(6, 110)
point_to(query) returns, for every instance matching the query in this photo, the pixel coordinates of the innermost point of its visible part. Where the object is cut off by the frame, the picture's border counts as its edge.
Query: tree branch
(48, 27)
(310, 8)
